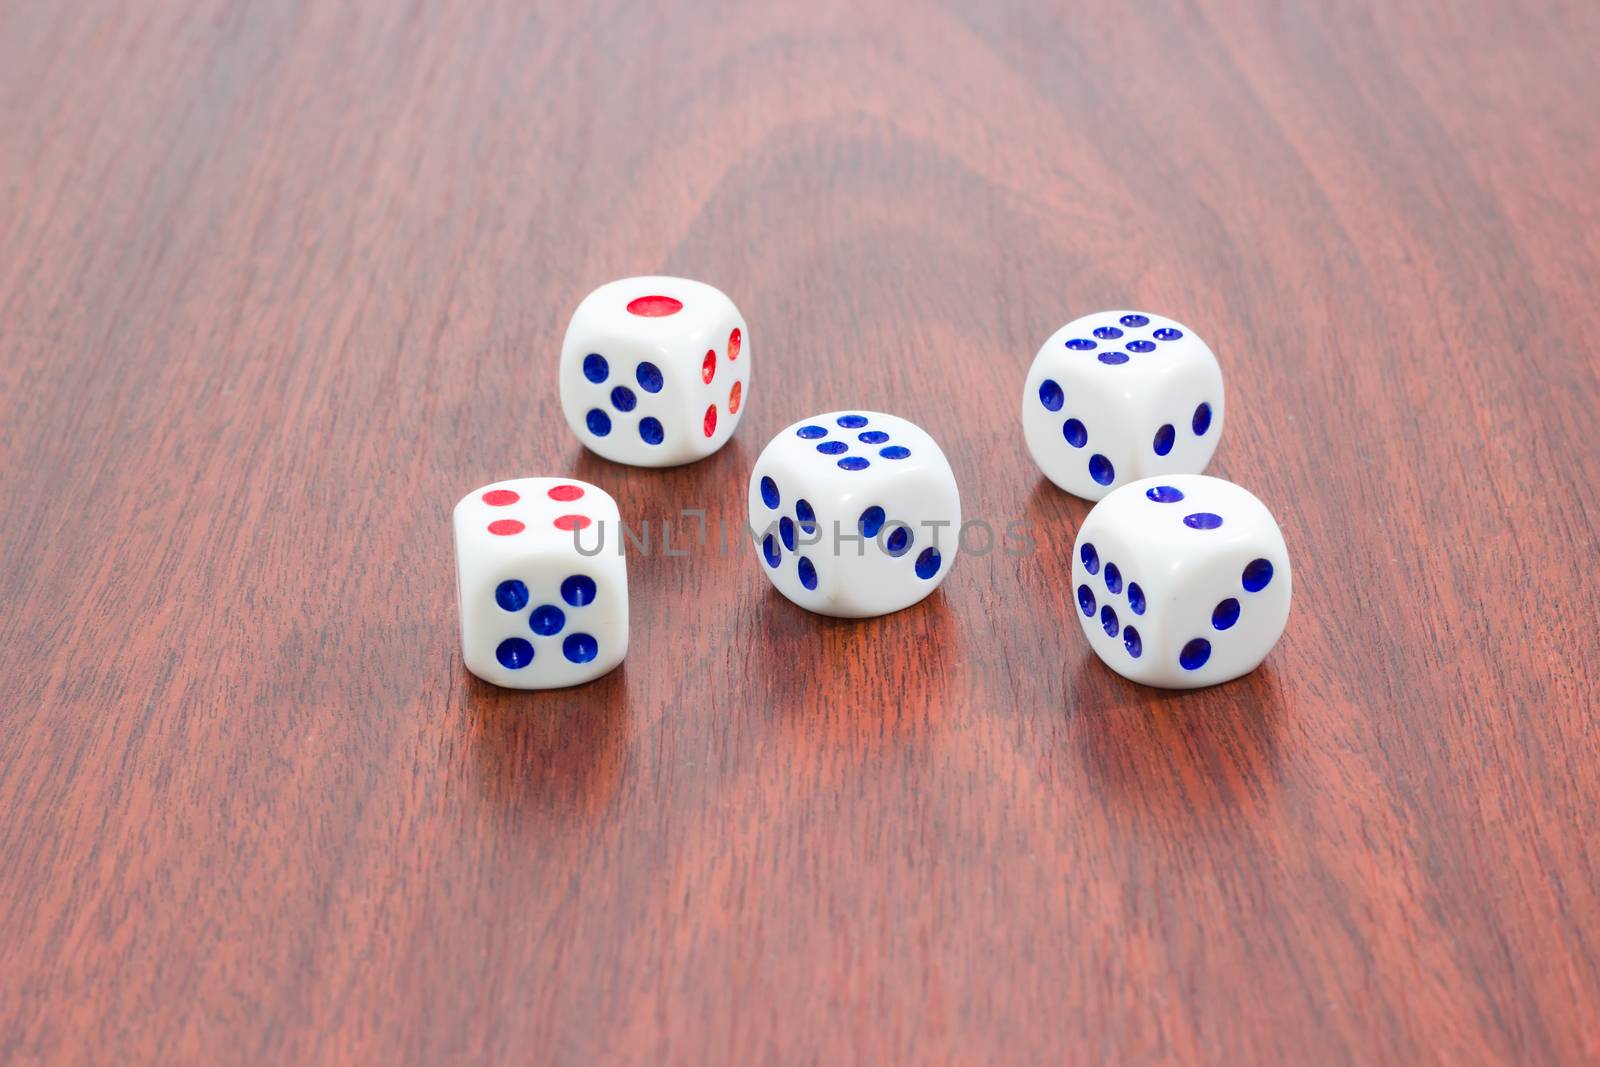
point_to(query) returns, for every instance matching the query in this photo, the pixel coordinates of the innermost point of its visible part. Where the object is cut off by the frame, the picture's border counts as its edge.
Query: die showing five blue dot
(597, 370)
(808, 573)
(511, 595)
(514, 653)
(580, 648)
(578, 590)
(769, 493)
(786, 532)
(546, 620)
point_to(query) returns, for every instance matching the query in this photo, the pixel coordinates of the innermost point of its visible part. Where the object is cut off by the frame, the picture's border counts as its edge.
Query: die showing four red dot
(500, 498)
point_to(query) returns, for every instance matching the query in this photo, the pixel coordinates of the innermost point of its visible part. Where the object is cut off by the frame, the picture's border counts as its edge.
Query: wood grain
(280, 281)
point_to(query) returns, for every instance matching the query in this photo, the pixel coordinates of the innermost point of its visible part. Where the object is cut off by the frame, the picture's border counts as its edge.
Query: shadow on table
(557, 751)
(832, 680)
(1175, 752)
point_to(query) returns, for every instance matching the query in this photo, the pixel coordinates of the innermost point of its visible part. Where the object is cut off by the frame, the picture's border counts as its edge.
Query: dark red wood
(279, 282)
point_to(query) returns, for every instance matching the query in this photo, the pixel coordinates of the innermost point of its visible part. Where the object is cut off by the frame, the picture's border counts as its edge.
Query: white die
(541, 581)
(854, 513)
(655, 371)
(1181, 581)
(1121, 395)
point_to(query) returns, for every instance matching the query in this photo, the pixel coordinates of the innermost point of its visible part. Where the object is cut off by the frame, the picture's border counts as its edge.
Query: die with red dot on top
(854, 513)
(542, 582)
(655, 371)
(1181, 581)
(1121, 395)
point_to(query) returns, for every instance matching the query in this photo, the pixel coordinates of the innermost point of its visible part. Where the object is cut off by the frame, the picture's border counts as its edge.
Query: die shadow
(1176, 753)
(552, 753)
(886, 679)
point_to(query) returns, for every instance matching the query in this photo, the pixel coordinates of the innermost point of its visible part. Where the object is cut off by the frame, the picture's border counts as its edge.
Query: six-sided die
(1121, 395)
(655, 371)
(1181, 581)
(854, 513)
(541, 581)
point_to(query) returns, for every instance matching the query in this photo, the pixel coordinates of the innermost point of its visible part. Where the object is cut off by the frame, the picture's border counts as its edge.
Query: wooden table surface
(279, 282)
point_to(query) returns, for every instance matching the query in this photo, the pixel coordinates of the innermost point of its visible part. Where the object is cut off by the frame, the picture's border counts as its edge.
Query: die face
(1181, 581)
(854, 513)
(655, 371)
(1121, 395)
(541, 581)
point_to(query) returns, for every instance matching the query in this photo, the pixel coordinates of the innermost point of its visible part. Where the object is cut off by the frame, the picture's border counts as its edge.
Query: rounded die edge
(564, 676)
